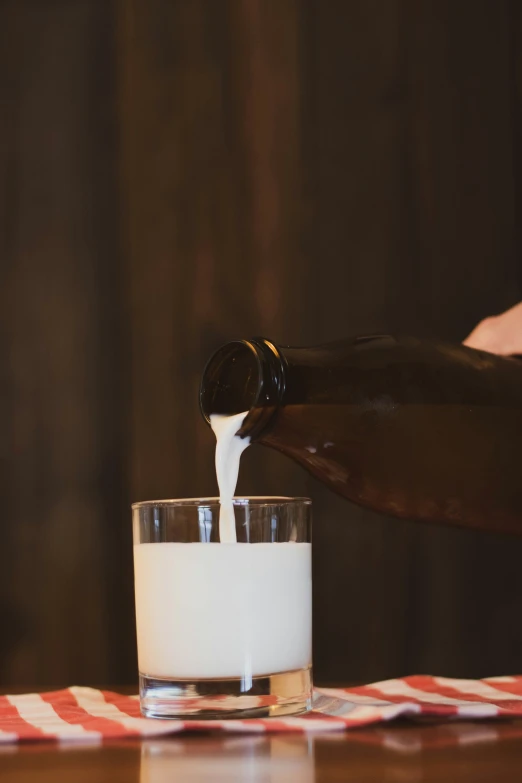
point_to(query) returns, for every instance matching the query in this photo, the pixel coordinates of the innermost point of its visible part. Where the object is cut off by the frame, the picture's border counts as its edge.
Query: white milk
(212, 610)
(229, 448)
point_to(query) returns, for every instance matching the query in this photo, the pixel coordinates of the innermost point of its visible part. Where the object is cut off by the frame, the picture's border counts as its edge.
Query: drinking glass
(224, 629)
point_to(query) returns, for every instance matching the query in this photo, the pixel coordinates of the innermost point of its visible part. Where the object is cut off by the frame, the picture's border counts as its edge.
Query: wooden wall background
(176, 173)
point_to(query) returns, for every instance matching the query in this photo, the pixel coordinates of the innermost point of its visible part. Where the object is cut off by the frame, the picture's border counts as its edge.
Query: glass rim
(209, 502)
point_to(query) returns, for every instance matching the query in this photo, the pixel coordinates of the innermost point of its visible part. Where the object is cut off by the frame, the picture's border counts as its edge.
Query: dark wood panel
(62, 313)
(410, 145)
(210, 126)
(176, 174)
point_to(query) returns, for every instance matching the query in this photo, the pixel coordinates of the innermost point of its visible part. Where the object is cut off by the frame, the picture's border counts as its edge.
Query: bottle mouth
(243, 375)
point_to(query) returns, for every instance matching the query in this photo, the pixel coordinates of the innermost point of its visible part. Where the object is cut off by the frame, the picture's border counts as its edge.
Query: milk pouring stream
(229, 448)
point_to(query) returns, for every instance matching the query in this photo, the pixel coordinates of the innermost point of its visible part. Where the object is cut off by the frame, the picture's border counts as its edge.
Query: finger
(485, 336)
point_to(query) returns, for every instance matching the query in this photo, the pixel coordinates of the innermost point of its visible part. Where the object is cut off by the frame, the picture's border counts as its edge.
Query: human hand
(501, 334)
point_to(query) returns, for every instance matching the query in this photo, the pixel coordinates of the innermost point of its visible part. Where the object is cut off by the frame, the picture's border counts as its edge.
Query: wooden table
(401, 753)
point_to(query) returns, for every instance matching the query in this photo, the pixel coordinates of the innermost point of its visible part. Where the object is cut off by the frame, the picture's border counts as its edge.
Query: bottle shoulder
(405, 369)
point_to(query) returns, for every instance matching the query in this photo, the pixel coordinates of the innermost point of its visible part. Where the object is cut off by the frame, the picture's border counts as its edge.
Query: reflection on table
(267, 759)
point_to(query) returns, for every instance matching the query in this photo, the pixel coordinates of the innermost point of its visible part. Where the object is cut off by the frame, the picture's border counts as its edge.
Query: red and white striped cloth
(79, 714)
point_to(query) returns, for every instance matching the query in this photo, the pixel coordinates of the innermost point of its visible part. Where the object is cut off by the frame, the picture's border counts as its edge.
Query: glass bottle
(413, 428)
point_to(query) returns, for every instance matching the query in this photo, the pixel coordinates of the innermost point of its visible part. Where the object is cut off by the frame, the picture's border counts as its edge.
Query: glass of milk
(224, 629)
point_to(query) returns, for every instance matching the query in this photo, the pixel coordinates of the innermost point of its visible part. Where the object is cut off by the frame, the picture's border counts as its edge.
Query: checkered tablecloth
(79, 714)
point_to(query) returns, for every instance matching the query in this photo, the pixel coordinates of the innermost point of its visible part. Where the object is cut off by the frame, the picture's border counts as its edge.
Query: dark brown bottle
(415, 429)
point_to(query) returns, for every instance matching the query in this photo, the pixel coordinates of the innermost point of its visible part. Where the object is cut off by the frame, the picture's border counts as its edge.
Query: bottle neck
(244, 375)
